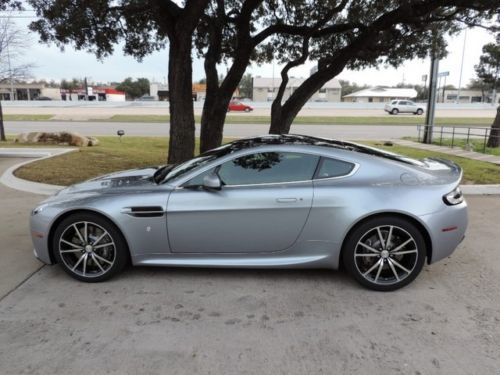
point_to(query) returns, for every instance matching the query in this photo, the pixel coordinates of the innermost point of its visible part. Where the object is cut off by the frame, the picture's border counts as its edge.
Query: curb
(14, 182)
(9, 180)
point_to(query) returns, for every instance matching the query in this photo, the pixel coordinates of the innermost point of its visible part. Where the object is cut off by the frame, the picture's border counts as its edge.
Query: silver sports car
(277, 201)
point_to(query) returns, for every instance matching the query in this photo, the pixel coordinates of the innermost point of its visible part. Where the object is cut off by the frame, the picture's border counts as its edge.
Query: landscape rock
(57, 138)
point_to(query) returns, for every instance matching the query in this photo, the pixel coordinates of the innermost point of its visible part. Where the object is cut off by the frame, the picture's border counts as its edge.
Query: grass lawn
(27, 117)
(133, 152)
(320, 120)
(477, 144)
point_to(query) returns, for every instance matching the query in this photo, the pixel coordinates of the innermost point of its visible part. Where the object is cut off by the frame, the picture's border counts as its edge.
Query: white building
(265, 89)
(466, 96)
(380, 95)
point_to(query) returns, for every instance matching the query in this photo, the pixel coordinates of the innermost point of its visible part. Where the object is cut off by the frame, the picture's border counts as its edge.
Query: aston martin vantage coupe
(275, 201)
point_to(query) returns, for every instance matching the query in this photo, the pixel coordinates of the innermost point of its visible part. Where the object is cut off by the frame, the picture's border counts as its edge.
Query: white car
(403, 106)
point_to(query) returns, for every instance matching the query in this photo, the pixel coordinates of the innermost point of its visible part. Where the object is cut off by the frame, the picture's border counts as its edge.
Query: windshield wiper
(162, 172)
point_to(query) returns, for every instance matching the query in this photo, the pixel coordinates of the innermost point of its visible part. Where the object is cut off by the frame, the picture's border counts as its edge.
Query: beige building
(265, 89)
(380, 95)
(466, 96)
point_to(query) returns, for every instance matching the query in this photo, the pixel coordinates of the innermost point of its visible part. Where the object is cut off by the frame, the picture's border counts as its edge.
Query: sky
(52, 63)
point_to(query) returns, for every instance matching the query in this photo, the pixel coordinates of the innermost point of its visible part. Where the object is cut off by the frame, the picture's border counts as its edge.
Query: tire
(388, 268)
(420, 111)
(247, 109)
(101, 262)
(394, 111)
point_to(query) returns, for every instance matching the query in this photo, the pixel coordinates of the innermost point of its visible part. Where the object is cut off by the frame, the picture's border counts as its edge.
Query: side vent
(144, 211)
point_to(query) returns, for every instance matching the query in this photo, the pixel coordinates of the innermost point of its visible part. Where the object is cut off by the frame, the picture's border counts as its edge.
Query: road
(351, 132)
(194, 321)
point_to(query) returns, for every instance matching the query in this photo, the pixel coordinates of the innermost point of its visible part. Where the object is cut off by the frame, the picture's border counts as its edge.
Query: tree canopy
(134, 89)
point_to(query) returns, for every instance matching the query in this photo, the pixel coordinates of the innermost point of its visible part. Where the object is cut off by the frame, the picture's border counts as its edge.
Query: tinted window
(402, 102)
(334, 168)
(268, 167)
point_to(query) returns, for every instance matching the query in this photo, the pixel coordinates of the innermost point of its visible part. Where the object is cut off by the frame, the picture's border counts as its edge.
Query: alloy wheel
(87, 249)
(386, 255)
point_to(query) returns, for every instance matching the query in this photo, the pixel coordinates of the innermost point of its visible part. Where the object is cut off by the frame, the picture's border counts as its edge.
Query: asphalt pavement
(352, 132)
(212, 321)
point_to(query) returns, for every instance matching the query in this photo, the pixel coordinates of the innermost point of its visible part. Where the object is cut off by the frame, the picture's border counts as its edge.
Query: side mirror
(212, 182)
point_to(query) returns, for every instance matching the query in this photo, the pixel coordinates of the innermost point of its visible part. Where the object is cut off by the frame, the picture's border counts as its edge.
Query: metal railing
(457, 133)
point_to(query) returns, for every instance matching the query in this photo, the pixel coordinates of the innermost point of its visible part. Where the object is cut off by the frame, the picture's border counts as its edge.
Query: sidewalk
(451, 151)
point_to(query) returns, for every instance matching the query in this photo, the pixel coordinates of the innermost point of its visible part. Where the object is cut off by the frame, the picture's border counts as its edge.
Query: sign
(444, 74)
(424, 78)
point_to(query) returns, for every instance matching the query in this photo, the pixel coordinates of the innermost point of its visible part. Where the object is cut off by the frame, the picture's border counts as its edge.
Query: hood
(114, 182)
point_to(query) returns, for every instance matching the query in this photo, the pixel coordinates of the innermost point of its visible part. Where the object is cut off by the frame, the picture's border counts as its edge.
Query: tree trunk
(494, 139)
(2, 129)
(182, 126)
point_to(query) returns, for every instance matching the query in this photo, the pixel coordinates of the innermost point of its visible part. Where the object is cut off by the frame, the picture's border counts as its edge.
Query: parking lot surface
(210, 321)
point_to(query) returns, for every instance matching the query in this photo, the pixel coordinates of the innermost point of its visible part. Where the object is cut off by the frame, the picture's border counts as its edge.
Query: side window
(198, 180)
(268, 167)
(333, 168)
(402, 102)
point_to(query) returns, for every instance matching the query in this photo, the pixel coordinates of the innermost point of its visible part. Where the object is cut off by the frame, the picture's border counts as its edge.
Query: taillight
(454, 197)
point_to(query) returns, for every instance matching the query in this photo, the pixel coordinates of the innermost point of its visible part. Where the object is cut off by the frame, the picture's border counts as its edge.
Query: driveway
(185, 321)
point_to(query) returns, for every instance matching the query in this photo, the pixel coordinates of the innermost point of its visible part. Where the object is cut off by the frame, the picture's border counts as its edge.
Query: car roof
(305, 140)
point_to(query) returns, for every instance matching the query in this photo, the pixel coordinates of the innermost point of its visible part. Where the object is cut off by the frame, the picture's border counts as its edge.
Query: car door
(403, 106)
(262, 206)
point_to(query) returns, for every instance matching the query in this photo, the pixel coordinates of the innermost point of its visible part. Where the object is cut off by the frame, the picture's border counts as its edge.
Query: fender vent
(144, 211)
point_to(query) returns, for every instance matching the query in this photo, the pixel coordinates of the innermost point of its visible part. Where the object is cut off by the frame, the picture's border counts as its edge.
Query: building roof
(264, 82)
(383, 92)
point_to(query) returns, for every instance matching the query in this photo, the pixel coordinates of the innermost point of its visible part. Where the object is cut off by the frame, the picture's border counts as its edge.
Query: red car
(239, 106)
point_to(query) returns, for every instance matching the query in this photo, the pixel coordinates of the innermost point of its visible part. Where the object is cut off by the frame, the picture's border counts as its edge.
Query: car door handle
(286, 200)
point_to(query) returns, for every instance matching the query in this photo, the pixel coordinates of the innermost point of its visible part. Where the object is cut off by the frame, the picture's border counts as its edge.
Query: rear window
(333, 168)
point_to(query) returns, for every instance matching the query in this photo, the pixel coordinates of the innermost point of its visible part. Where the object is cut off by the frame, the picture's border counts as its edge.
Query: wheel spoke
(404, 252)
(402, 245)
(369, 248)
(397, 264)
(373, 267)
(79, 261)
(103, 259)
(367, 255)
(389, 236)
(96, 262)
(393, 269)
(79, 234)
(99, 238)
(71, 244)
(381, 238)
(379, 270)
(85, 264)
(104, 245)
(70, 251)
(85, 233)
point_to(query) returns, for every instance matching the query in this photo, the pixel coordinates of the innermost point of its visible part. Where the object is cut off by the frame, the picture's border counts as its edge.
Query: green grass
(477, 144)
(134, 152)
(27, 117)
(475, 172)
(319, 120)
(245, 118)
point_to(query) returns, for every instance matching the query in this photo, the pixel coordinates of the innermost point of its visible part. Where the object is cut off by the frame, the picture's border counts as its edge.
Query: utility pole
(86, 89)
(431, 100)
(461, 68)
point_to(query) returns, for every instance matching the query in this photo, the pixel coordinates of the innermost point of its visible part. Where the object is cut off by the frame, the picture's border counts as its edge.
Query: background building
(467, 96)
(265, 89)
(380, 95)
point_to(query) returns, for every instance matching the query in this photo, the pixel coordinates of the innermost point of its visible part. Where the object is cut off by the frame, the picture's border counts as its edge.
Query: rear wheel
(394, 111)
(385, 253)
(89, 248)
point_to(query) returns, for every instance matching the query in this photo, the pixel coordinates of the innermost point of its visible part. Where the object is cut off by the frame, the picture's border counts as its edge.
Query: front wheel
(420, 111)
(89, 248)
(385, 253)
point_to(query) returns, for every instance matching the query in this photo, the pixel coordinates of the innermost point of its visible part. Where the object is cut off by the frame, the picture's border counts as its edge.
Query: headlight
(38, 209)
(454, 197)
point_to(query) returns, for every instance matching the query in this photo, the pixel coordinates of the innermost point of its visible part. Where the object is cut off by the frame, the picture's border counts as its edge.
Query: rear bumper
(446, 229)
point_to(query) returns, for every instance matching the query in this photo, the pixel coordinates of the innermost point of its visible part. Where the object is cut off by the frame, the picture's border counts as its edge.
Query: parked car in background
(146, 98)
(404, 106)
(237, 105)
(43, 98)
(276, 201)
